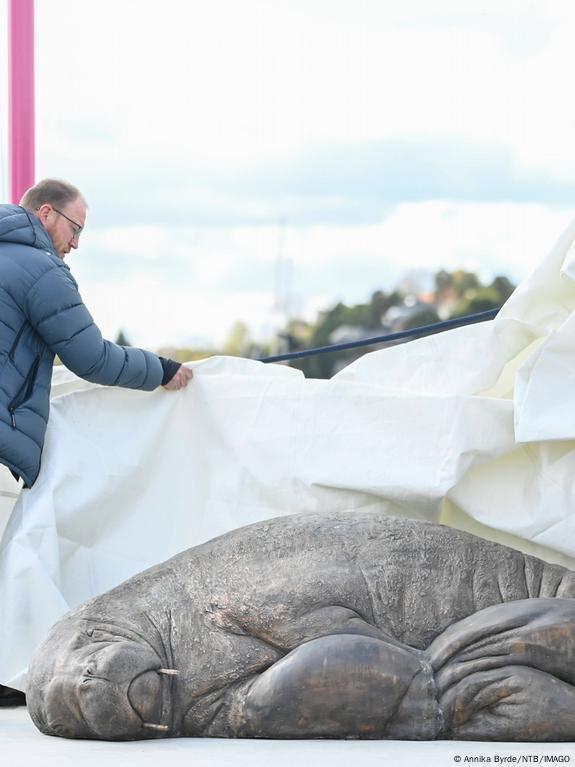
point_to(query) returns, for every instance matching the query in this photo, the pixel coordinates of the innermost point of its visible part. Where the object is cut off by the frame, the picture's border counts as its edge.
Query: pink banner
(21, 139)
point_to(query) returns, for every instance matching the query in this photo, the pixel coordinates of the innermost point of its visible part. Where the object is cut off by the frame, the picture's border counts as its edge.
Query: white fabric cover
(474, 427)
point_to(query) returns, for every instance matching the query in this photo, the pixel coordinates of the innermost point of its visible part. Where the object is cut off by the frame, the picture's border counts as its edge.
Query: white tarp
(427, 429)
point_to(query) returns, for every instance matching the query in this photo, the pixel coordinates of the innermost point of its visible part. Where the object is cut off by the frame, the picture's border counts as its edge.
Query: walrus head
(103, 680)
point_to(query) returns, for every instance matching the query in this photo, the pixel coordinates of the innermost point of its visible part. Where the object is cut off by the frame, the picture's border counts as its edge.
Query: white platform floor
(21, 745)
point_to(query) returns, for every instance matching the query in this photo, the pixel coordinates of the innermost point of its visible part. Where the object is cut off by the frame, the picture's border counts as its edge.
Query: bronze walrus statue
(346, 625)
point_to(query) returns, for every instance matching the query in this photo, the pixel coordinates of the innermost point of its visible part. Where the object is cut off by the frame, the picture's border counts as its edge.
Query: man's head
(61, 208)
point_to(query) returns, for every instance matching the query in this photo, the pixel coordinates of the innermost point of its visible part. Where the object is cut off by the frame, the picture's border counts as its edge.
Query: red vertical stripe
(21, 138)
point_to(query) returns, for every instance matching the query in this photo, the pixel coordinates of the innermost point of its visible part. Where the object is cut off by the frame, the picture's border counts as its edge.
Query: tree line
(409, 305)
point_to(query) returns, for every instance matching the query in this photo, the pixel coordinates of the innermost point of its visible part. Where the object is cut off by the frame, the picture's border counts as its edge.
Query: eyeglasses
(77, 227)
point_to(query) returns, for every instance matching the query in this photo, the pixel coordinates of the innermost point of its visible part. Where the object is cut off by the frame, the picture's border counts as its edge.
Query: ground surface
(21, 745)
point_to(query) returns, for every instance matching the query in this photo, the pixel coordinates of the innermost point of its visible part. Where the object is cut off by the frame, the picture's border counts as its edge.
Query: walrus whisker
(150, 726)
(168, 671)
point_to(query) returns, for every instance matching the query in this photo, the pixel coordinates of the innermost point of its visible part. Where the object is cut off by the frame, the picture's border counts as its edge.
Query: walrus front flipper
(342, 686)
(513, 703)
(508, 672)
(539, 633)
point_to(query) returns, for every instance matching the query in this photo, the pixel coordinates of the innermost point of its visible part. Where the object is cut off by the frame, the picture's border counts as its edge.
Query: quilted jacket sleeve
(56, 311)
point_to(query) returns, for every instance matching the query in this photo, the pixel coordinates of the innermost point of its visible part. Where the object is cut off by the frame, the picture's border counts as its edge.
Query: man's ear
(43, 212)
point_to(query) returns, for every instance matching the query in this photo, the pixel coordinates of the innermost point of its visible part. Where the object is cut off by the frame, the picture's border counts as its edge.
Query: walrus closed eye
(339, 626)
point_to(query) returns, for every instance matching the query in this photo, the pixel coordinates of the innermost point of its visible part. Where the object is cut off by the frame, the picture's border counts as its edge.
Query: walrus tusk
(168, 671)
(150, 726)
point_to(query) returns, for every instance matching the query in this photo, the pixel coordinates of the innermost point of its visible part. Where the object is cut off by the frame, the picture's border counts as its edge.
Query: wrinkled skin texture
(334, 625)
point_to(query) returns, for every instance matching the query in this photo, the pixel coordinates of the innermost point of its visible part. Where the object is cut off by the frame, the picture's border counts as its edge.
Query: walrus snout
(107, 688)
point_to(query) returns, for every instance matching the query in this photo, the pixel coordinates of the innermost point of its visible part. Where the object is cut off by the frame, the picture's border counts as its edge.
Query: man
(42, 314)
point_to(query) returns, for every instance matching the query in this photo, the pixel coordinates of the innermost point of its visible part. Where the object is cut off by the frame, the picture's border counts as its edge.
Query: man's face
(64, 225)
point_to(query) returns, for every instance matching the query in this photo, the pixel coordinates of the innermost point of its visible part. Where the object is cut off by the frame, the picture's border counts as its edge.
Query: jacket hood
(20, 227)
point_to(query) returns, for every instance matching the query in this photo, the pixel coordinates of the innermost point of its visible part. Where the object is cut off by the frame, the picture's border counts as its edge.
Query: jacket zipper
(24, 392)
(12, 351)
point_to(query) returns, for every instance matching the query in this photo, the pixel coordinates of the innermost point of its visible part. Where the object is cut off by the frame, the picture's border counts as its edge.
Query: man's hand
(180, 379)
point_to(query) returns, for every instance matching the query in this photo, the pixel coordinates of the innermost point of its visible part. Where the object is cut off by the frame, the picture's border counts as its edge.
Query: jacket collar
(19, 226)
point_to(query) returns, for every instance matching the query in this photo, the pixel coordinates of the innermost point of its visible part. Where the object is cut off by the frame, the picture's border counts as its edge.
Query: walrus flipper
(508, 672)
(341, 686)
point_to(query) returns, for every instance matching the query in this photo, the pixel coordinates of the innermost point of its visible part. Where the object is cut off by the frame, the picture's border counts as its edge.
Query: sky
(254, 159)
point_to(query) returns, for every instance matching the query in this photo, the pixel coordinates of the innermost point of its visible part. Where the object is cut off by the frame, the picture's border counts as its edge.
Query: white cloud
(146, 242)
(153, 313)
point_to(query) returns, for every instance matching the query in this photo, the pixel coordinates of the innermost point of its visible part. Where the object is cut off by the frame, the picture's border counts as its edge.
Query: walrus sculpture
(347, 625)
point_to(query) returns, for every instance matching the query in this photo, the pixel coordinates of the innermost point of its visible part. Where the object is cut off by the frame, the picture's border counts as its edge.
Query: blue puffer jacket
(42, 314)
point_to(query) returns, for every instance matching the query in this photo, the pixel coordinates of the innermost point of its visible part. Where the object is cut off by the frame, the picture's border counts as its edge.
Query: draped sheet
(474, 427)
